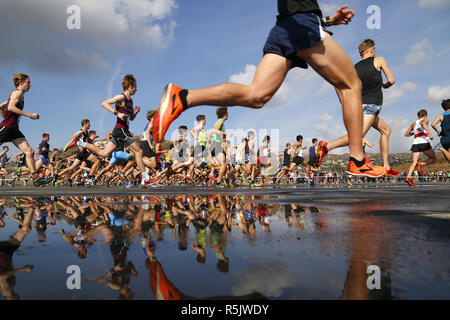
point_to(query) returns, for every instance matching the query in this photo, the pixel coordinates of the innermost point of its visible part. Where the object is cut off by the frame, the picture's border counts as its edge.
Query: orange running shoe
(322, 152)
(392, 173)
(71, 144)
(366, 170)
(419, 168)
(170, 108)
(410, 182)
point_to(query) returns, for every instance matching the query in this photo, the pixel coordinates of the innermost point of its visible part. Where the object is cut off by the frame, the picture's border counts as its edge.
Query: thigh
(329, 60)
(23, 145)
(430, 154)
(270, 74)
(380, 125)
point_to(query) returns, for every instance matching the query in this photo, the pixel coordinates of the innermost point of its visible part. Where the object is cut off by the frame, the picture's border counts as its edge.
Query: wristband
(328, 21)
(116, 113)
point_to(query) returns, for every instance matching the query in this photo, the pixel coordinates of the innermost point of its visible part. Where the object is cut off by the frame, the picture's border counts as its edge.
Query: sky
(200, 43)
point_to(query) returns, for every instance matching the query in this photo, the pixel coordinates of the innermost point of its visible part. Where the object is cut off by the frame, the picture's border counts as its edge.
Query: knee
(29, 153)
(385, 130)
(256, 98)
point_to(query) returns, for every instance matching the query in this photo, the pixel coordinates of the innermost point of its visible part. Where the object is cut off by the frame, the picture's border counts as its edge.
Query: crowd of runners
(206, 157)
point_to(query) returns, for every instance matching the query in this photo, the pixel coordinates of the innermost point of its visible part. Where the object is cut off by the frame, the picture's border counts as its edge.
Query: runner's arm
(107, 104)
(12, 107)
(3, 109)
(387, 72)
(438, 119)
(424, 123)
(408, 132)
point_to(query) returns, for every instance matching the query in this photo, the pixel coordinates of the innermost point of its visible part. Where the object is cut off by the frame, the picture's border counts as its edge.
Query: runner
(421, 144)
(3, 160)
(82, 154)
(297, 160)
(9, 127)
(298, 39)
(148, 146)
(44, 159)
(369, 71)
(444, 133)
(121, 134)
(21, 167)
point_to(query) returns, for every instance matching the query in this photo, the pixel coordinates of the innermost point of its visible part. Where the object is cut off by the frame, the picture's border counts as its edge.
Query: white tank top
(420, 134)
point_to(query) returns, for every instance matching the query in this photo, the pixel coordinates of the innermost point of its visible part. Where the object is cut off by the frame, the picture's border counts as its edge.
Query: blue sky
(198, 43)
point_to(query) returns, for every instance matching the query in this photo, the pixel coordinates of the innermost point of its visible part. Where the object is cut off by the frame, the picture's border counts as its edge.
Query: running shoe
(366, 170)
(169, 109)
(322, 152)
(392, 173)
(419, 168)
(71, 144)
(410, 182)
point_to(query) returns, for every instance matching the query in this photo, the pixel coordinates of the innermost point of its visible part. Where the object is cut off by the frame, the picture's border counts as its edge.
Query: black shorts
(8, 134)
(311, 162)
(298, 160)
(148, 152)
(82, 155)
(421, 147)
(198, 151)
(445, 145)
(122, 137)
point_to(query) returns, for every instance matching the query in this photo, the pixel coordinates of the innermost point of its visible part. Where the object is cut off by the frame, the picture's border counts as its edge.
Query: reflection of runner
(7, 249)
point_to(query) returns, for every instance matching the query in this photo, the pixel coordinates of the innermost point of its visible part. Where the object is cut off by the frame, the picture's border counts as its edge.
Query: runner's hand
(342, 16)
(137, 109)
(34, 116)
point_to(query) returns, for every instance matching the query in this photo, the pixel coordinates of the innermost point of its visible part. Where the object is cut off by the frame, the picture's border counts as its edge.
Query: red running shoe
(392, 173)
(169, 109)
(410, 182)
(322, 152)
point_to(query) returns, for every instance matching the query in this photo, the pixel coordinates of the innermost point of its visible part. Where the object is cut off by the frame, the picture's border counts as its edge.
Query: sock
(357, 162)
(183, 94)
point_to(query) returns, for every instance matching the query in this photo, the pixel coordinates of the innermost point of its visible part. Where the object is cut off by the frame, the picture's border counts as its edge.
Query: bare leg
(334, 65)
(431, 157)
(446, 153)
(368, 121)
(23, 145)
(269, 76)
(385, 132)
(415, 158)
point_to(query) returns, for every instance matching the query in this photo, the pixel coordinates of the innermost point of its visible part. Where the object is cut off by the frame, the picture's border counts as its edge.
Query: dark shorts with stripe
(421, 147)
(122, 137)
(8, 134)
(148, 152)
(294, 33)
(445, 145)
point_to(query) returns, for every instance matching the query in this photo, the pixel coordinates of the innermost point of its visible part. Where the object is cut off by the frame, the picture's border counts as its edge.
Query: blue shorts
(371, 109)
(119, 155)
(294, 33)
(44, 159)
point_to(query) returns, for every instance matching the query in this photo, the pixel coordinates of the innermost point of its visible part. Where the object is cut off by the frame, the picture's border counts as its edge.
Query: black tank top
(287, 157)
(288, 7)
(371, 82)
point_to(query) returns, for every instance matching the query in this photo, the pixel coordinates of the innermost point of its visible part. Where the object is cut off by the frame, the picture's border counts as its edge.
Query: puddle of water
(178, 247)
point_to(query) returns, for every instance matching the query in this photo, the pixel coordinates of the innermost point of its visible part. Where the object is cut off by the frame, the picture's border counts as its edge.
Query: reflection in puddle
(206, 247)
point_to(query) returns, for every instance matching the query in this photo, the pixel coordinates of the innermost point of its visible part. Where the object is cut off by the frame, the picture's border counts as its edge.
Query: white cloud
(420, 53)
(41, 40)
(434, 4)
(281, 97)
(395, 93)
(269, 281)
(326, 117)
(436, 94)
